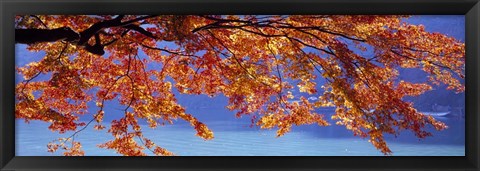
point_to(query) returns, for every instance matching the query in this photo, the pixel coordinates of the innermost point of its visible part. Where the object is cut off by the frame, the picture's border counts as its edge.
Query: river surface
(234, 137)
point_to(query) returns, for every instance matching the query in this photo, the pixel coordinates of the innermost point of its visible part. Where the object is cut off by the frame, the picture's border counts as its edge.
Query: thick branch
(31, 36)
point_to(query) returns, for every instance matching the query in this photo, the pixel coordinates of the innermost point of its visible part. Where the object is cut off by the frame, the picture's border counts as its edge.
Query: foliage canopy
(252, 60)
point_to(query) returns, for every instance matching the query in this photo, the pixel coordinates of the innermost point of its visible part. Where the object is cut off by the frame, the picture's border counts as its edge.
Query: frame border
(10, 8)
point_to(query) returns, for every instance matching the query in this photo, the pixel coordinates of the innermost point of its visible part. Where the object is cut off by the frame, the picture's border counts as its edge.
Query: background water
(236, 138)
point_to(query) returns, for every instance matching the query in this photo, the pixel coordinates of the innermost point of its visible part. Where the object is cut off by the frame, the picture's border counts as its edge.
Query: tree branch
(31, 36)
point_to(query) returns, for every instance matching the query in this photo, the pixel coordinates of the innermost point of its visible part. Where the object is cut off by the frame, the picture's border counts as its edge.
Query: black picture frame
(10, 8)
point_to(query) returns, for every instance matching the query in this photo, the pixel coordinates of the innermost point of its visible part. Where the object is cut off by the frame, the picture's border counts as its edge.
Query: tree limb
(31, 36)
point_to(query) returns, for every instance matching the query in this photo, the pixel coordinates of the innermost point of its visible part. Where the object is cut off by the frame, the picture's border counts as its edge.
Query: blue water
(236, 138)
